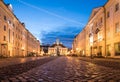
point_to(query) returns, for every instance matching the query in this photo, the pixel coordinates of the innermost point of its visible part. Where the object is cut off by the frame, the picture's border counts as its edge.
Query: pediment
(94, 11)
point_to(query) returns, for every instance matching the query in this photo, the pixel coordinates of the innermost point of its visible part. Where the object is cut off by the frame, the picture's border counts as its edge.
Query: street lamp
(91, 44)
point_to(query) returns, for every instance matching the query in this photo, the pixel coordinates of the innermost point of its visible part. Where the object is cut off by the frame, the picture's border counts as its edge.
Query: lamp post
(91, 55)
(91, 52)
(91, 44)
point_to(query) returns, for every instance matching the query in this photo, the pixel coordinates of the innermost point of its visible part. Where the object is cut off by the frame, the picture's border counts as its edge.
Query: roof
(54, 45)
(94, 12)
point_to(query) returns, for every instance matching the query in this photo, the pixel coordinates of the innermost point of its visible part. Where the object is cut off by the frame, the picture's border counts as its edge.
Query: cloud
(66, 35)
(55, 27)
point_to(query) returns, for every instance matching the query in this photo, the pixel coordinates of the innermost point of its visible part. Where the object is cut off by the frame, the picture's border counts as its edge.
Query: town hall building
(57, 49)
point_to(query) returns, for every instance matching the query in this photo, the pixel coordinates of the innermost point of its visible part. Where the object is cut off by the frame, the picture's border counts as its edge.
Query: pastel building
(112, 13)
(102, 32)
(57, 49)
(95, 33)
(14, 39)
(79, 44)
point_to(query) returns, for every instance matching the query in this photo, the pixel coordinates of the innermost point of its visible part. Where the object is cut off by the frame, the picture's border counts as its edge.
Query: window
(100, 37)
(117, 7)
(13, 25)
(117, 49)
(5, 18)
(4, 38)
(9, 22)
(4, 28)
(108, 14)
(101, 20)
(117, 28)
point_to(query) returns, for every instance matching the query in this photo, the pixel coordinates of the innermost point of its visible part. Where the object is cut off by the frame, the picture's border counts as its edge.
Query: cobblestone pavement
(107, 62)
(18, 68)
(12, 61)
(68, 69)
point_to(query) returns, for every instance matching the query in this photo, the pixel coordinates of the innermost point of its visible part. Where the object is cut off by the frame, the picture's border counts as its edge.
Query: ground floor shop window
(117, 49)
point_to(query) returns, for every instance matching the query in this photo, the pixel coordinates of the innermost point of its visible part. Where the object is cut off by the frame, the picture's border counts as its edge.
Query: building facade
(14, 39)
(44, 49)
(57, 49)
(79, 47)
(95, 33)
(102, 32)
(113, 28)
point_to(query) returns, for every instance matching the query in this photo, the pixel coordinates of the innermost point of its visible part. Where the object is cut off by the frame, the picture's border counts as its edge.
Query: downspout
(105, 29)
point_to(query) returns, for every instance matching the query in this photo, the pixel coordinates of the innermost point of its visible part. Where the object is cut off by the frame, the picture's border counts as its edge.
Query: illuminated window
(117, 49)
(91, 40)
(108, 14)
(99, 36)
(117, 7)
(9, 22)
(117, 28)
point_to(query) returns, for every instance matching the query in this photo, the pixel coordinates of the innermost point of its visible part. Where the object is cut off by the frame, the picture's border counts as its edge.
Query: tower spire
(57, 41)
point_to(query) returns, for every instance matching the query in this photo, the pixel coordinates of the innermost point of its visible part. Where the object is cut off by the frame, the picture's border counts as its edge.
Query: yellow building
(57, 49)
(33, 45)
(74, 44)
(95, 33)
(78, 46)
(13, 34)
(112, 10)
(102, 32)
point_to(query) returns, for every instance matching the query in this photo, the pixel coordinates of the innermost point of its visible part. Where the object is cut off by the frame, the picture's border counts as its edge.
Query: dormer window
(10, 7)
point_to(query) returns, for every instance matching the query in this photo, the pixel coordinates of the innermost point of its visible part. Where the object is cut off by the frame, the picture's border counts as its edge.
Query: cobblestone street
(68, 69)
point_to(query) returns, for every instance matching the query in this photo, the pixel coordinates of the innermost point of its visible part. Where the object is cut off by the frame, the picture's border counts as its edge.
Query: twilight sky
(51, 19)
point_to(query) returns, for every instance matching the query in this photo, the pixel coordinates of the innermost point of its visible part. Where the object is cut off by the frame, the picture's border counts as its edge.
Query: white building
(57, 49)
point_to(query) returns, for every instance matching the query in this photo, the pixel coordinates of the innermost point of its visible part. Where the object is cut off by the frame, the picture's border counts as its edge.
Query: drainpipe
(105, 29)
(1, 49)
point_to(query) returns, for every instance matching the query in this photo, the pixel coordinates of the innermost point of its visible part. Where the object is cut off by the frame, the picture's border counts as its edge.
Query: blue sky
(51, 19)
